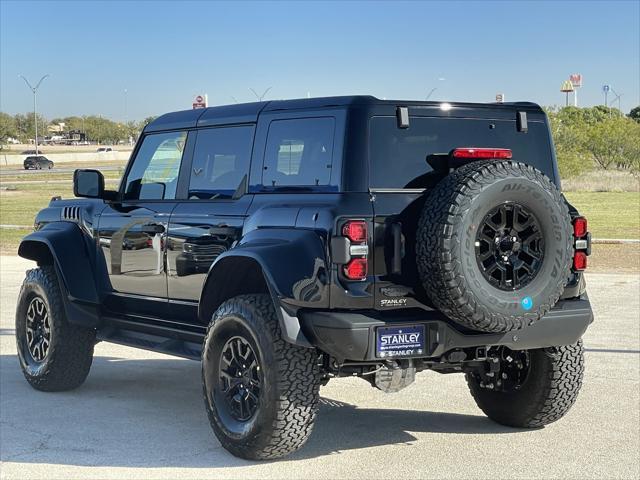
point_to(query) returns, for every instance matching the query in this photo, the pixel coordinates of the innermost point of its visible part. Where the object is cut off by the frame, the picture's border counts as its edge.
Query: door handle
(152, 228)
(222, 230)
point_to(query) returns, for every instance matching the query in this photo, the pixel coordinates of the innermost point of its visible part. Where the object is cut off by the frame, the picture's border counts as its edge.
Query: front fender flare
(64, 245)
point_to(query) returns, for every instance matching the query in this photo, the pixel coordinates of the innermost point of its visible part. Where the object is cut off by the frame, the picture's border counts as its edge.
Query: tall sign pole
(567, 88)
(576, 81)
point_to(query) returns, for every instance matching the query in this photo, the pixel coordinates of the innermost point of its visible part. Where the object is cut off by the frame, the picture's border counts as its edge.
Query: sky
(128, 60)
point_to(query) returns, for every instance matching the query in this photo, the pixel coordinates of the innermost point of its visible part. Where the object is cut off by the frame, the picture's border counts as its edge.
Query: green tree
(7, 128)
(25, 126)
(568, 128)
(148, 120)
(634, 114)
(614, 142)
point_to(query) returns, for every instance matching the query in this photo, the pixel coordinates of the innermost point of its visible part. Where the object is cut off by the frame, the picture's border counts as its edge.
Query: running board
(157, 339)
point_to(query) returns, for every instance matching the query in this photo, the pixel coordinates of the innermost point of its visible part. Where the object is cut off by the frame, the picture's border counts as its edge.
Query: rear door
(210, 219)
(399, 177)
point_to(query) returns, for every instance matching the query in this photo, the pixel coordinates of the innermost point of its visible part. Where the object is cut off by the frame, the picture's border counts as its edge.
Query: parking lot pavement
(141, 415)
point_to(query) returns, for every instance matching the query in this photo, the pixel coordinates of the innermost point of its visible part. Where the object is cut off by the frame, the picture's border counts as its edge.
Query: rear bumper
(352, 335)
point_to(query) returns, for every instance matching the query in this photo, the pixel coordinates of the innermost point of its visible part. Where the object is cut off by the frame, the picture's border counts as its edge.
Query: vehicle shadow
(149, 413)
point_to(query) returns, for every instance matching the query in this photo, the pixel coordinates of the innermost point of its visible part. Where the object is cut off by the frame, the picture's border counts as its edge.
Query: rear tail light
(579, 227)
(355, 230)
(355, 249)
(582, 245)
(580, 261)
(356, 269)
(479, 153)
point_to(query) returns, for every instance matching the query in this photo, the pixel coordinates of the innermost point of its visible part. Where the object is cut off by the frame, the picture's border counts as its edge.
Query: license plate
(400, 341)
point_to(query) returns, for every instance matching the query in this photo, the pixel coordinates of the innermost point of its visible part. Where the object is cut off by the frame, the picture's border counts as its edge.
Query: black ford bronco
(287, 243)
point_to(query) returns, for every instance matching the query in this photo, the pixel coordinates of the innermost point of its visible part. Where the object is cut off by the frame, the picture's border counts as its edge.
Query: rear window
(398, 156)
(299, 152)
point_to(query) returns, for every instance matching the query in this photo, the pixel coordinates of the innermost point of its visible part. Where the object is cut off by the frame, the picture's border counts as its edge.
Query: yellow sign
(567, 86)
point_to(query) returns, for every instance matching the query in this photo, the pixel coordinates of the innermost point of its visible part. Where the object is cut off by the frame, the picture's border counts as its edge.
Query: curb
(614, 241)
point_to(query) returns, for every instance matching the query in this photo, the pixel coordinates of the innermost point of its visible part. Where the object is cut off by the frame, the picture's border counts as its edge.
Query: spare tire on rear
(494, 245)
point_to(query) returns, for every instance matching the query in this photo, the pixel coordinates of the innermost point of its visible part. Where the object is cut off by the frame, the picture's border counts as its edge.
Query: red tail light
(579, 227)
(355, 230)
(470, 152)
(356, 269)
(580, 261)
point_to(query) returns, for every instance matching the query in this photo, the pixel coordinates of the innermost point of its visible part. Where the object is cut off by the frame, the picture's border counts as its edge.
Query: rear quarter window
(397, 157)
(299, 152)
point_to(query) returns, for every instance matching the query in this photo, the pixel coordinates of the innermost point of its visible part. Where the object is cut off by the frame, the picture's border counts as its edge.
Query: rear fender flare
(288, 264)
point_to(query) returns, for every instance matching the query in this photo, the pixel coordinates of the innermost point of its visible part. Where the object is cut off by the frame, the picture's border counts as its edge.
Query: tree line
(595, 138)
(96, 128)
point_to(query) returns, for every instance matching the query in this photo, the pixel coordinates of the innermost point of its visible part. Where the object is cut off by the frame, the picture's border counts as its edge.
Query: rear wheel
(532, 388)
(54, 355)
(261, 393)
(494, 245)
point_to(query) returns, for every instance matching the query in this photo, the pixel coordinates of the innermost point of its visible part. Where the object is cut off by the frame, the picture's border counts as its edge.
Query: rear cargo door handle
(396, 233)
(152, 228)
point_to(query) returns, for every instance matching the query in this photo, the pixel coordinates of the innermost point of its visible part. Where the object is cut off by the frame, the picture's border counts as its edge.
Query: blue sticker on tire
(527, 303)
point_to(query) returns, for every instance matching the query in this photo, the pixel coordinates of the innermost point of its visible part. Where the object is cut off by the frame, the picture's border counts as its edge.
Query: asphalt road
(141, 415)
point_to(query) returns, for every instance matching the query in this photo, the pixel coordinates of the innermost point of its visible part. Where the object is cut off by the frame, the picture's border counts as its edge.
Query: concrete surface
(30, 175)
(18, 159)
(140, 415)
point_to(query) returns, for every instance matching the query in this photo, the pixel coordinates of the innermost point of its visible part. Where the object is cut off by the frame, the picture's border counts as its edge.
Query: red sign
(200, 102)
(576, 80)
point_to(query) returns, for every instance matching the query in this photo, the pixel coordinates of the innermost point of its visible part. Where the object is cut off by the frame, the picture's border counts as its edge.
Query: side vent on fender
(70, 214)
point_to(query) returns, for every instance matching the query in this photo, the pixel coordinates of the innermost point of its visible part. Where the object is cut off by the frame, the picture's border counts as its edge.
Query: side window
(220, 161)
(154, 174)
(299, 152)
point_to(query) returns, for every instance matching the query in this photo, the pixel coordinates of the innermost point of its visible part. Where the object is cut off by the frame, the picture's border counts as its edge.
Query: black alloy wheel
(38, 329)
(509, 246)
(239, 379)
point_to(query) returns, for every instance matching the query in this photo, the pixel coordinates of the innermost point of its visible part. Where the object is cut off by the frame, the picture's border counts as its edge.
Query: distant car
(31, 152)
(38, 162)
(105, 149)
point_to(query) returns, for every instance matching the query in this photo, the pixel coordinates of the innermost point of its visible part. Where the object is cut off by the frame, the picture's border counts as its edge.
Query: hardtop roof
(249, 112)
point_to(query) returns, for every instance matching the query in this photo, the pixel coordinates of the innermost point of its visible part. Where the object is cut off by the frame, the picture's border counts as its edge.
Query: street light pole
(260, 97)
(35, 114)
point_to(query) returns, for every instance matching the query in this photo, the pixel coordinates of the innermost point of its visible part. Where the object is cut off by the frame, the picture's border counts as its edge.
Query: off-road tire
(68, 360)
(288, 399)
(445, 245)
(549, 390)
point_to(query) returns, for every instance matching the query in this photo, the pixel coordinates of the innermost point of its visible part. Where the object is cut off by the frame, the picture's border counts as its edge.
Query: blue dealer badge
(527, 303)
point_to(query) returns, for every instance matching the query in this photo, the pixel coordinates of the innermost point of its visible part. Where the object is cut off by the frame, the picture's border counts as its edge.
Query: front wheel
(531, 388)
(261, 393)
(54, 354)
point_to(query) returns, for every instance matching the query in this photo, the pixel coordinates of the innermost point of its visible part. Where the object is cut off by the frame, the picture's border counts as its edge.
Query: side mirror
(88, 183)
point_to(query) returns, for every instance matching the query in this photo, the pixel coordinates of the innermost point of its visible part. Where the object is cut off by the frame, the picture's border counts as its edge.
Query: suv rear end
(398, 153)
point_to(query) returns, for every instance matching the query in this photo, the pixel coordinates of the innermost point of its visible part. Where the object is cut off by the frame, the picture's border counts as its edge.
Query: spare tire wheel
(494, 245)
